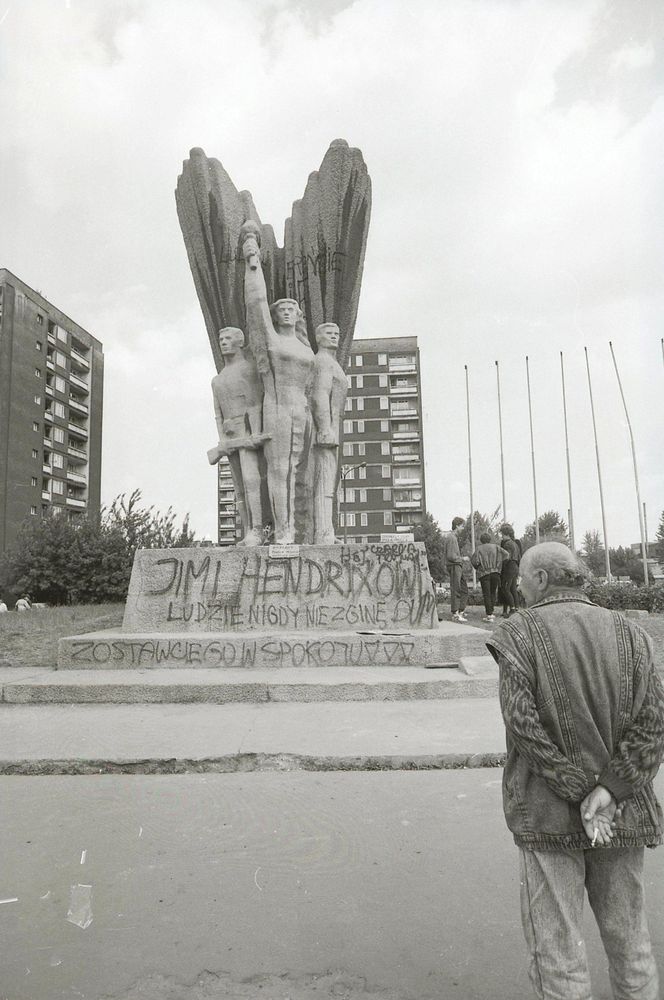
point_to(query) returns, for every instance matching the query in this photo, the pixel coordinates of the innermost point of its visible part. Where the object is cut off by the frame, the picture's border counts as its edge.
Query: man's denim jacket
(582, 705)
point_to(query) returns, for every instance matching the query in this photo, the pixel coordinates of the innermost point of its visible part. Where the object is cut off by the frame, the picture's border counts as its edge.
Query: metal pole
(532, 452)
(500, 433)
(570, 513)
(644, 537)
(607, 562)
(470, 477)
(662, 343)
(645, 524)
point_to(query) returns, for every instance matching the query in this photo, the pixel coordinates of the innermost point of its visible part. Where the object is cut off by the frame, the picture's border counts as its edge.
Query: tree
(659, 547)
(592, 551)
(627, 562)
(481, 522)
(60, 561)
(552, 528)
(429, 532)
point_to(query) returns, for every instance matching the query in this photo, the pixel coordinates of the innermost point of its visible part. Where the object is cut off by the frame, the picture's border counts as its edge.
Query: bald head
(549, 567)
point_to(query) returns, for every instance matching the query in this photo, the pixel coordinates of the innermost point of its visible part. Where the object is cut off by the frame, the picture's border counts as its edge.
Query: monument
(280, 323)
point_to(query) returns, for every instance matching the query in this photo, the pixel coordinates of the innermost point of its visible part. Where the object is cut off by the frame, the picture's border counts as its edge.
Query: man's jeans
(458, 588)
(489, 584)
(552, 892)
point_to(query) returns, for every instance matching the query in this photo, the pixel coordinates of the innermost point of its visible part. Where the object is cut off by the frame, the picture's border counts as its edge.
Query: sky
(515, 151)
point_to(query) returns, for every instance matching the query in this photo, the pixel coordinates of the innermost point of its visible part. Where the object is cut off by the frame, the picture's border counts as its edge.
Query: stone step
(227, 685)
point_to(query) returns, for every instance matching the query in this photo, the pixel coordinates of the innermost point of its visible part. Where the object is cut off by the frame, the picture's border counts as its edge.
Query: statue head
(327, 336)
(231, 340)
(285, 312)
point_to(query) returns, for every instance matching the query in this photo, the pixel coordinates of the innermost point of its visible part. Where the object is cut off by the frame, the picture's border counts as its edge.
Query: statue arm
(259, 321)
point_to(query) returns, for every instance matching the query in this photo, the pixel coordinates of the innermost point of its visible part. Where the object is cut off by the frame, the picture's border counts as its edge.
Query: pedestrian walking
(454, 566)
(487, 560)
(583, 710)
(509, 573)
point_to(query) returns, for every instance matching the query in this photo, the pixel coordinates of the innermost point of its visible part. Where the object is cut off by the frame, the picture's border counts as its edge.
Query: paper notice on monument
(396, 538)
(283, 551)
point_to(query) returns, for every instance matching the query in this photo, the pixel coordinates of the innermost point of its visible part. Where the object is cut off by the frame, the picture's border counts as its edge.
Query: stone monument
(280, 323)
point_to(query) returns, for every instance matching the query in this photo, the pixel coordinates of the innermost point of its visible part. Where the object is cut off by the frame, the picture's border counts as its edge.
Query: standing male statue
(328, 396)
(238, 399)
(285, 361)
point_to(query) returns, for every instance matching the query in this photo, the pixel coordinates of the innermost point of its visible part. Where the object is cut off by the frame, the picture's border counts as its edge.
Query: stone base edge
(247, 762)
(116, 650)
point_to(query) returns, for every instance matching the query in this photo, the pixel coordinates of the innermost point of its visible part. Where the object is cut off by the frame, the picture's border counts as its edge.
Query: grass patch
(30, 638)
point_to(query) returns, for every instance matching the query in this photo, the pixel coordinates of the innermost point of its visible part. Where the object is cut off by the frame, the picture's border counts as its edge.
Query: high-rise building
(51, 388)
(382, 488)
(229, 524)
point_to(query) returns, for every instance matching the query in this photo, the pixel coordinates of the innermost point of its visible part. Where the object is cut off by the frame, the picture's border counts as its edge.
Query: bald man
(584, 716)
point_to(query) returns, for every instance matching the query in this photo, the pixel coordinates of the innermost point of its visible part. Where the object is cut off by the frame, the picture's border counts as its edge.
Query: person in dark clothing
(487, 560)
(509, 573)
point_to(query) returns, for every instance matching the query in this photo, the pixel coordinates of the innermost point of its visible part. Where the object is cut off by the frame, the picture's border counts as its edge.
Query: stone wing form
(325, 242)
(211, 211)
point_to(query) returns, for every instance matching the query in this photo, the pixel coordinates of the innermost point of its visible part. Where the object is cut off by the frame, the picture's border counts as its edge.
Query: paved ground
(297, 886)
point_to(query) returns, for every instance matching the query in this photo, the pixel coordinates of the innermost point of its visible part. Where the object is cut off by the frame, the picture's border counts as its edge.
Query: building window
(342, 519)
(40, 320)
(382, 381)
(384, 403)
(33, 480)
(37, 372)
(361, 448)
(35, 453)
(60, 359)
(359, 402)
(387, 494)
(38, 345)
(359, 382)
(35, 425)
(360, 426)
(382, 360)
(348, 448)
(363, 496)
(348, 405)
(61, 334)
(385, 471)
(362, 471)
(58, 435)
(363, 520)
(350, 496)
(387, 517)
(384, 447)
(33, 510)
(60, 384)
(359, 360)
(384, 426)
(348, 426)
(60, 410)
(350, 519)
(58, 486)
(58, 460)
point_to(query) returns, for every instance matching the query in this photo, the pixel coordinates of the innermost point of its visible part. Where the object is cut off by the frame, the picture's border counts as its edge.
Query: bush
(620, 596)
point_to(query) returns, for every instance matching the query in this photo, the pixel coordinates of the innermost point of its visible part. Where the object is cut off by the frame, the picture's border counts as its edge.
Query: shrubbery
(88, 562)
(621, 596)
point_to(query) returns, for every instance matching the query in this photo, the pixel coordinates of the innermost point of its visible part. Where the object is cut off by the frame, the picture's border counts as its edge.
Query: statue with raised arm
(238, 403)
(285, 361)
(328, 396)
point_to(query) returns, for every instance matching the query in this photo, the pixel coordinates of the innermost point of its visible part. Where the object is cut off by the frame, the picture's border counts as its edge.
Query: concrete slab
(479, 666)
(115, 649)
(188, 738)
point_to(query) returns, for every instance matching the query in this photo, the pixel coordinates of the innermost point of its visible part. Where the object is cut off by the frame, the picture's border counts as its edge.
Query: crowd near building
(51, 394)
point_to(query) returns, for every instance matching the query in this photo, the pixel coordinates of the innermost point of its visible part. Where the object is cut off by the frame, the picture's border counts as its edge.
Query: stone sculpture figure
(328, 396)
(285, 362)
(238, 401)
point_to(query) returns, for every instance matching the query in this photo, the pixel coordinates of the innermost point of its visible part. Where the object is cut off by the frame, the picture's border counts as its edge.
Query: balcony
(48, 415)
(408, 504)
(45, 495)
(398, 413)
(406, 435)
(73, 502)
(403, 390)
(78, 360)
(78, 430)
(406, 458)
(77, 453)
(46, 468)
(51, 339)
(50, 365)
(49, 389)
(75, 405)
(75, 477)
(79, 383)
(401, 366)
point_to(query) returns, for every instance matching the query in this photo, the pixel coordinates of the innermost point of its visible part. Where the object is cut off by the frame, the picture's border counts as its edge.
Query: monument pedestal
(276, 606)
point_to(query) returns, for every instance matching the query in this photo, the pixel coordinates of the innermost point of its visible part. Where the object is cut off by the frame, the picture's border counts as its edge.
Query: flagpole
(500, 433)
(569, 469)
(470, 477)
(607, 562)
(532, 452)
(644, 541)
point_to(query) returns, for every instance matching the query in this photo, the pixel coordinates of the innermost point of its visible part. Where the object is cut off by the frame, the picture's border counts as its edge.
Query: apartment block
(382, 488)
(51, 395)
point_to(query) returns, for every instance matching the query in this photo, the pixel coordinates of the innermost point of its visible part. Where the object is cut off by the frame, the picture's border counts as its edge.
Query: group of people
(497, 567)
(23, 604)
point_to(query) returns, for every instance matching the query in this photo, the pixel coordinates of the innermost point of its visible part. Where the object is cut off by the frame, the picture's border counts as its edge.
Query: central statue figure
(278, 342)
